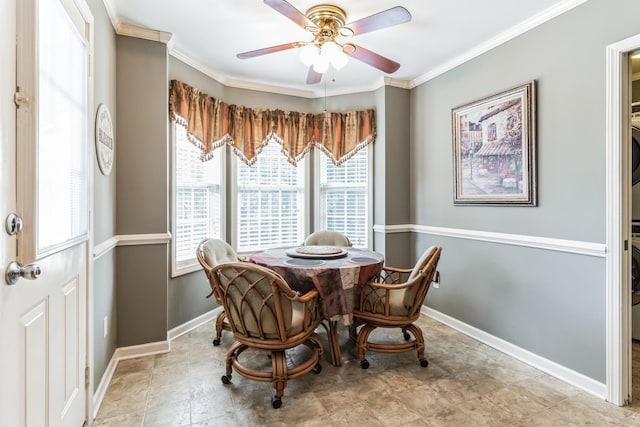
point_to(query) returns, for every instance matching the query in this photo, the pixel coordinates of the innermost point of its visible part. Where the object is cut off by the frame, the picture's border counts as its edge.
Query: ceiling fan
(327, 23)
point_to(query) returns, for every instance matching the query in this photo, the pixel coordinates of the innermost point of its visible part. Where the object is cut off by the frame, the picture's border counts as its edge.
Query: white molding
(618, 219)
(104, 247)
(142, 350)
(192, 324)
(546, 243)
(504, 37)
(228, 81)
(143, 239)
(129, 240)
(124, 353)
(165, 37)
(143, 33)
(103, 386)
(403, 84)
(193, 63)
(563, 373)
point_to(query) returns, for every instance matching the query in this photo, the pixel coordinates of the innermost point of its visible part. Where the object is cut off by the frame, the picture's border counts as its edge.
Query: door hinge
(626, 245)
(86, 376)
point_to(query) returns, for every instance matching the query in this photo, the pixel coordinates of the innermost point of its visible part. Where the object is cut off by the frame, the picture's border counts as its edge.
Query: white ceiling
(209, 33)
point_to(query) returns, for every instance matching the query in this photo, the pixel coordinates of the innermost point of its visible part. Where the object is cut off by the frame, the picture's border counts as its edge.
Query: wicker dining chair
(266, 314)
(328, 238)
(394, 301)
(211, 252)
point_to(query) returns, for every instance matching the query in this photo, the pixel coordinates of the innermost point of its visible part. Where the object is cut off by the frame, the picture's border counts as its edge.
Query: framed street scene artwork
(494, 149)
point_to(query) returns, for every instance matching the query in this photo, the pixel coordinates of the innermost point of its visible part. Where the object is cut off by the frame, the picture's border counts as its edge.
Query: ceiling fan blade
(266, 50)
(386, 18)
(285, 8)
(313, 77)
(375, 60)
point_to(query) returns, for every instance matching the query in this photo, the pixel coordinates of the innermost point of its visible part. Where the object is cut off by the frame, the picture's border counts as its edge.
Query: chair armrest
(392, 275)
(394, 286)
(306, 297)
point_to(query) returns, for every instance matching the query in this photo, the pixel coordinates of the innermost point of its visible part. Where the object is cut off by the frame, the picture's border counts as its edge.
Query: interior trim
(129, 240)
(192, 324)
(618, 209)
(511, 33)
(124, 353)
(143, 33)
(544, 16)
(546, 243)
(565, 374)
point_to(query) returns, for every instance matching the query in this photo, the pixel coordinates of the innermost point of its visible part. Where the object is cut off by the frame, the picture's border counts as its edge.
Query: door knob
(16, 271)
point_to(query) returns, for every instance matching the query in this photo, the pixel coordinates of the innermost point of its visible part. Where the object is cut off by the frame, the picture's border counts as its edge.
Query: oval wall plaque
(105, 143)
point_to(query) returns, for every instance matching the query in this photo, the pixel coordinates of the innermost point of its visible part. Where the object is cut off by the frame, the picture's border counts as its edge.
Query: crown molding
(111, 12)
(224, 79)
(523, 27)
(143, 33)
(193, 63)
(166, 37)
(403, 84)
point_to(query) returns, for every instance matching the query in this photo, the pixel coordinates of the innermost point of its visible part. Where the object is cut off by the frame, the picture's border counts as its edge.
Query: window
(198, 200)
(270, 201)
(343, 197)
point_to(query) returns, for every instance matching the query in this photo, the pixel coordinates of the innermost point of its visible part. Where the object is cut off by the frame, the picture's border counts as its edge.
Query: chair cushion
(217, 251)
(421, 262)
(326, 237)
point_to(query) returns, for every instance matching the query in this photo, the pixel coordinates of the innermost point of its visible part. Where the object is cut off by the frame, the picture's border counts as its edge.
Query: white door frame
(618, 220)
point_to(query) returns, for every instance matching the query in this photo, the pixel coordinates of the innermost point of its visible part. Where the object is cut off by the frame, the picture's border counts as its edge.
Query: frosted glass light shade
(309, 53)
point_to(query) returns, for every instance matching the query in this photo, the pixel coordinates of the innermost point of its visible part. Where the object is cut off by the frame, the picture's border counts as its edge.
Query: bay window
(198, 201)
(343, 197)
(270, 200)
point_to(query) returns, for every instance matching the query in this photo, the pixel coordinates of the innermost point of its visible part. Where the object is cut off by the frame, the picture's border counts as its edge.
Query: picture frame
(494, 149)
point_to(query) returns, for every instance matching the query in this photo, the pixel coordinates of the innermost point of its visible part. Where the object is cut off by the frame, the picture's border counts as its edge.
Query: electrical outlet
(105, 326)
(436, 280)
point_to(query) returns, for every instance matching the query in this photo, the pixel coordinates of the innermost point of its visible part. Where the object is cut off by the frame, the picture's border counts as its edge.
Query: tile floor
(466, 384)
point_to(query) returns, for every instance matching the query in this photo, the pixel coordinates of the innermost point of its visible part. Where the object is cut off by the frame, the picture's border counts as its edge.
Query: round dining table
(334, 271)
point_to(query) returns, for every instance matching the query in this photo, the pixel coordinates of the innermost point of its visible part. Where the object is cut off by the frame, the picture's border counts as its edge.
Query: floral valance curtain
(211, 123)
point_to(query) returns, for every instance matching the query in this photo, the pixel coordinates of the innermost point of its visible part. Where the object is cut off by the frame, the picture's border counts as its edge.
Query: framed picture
(494, 148)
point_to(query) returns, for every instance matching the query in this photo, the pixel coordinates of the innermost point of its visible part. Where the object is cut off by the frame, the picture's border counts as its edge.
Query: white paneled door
(45, 168)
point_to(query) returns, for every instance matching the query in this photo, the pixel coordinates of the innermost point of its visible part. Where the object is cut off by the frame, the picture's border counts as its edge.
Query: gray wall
(393, 189)
(143, 189)
(550, 303)
(104, 194)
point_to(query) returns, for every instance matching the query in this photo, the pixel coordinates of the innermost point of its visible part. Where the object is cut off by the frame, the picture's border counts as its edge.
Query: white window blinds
(343, 197)
(270, 204)
(197, 199)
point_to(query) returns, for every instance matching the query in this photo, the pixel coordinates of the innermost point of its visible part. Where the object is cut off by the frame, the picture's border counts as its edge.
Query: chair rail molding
(129, 240)
(546, 243)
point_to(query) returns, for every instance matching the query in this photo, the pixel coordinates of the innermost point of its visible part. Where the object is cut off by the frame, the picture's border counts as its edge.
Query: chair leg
(279, 381)
(417, 333)
(362, 344)
(232, 354)
(219, 327)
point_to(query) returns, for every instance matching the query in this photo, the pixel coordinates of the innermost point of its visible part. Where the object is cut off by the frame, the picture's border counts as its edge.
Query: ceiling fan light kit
(326, 22)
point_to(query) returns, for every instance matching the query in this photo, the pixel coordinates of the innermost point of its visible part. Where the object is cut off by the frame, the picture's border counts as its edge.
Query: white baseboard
(100, 392)
(563, 373)
(192, 324)
(124, 353)
(131, 352)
